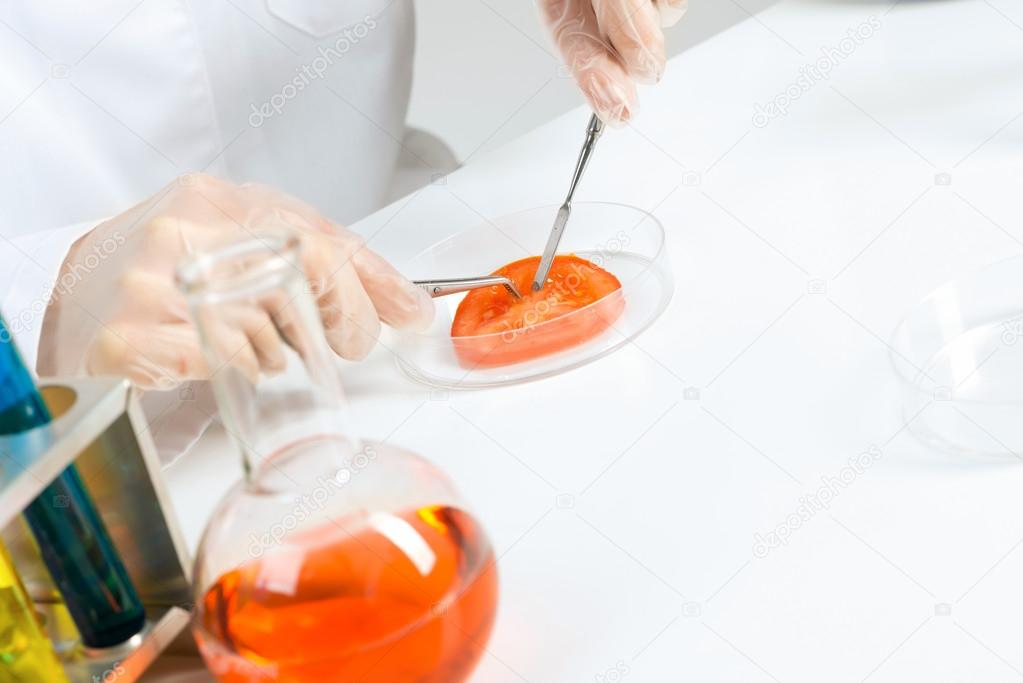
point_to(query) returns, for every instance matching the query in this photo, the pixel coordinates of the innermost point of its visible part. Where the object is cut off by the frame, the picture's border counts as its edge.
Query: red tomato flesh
(513, 328)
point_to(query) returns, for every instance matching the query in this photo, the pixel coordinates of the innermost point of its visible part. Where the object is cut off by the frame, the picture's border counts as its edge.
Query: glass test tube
(74, 542)
(25, 652)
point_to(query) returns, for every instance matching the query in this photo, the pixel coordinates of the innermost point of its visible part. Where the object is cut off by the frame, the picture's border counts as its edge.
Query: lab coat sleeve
(29, 268)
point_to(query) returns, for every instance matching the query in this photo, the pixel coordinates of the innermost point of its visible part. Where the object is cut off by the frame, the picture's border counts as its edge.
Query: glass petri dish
(959, 356)
(624, 240)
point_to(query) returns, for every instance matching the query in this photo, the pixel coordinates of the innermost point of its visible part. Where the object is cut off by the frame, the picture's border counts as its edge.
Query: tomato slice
(492, 328)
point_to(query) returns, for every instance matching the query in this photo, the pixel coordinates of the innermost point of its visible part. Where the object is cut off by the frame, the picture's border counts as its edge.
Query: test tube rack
(99, 426)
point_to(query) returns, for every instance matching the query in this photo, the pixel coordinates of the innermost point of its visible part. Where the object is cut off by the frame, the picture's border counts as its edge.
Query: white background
(797, 247)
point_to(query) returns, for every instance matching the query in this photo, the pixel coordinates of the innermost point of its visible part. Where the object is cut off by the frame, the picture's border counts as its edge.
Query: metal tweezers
(437, 288)
(593, 132)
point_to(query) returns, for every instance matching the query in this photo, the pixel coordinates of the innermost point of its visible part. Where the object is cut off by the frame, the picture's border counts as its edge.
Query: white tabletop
(623, 507)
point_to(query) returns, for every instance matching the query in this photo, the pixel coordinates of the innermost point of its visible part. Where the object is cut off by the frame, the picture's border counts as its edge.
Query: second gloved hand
(117, 311)
(610, 45)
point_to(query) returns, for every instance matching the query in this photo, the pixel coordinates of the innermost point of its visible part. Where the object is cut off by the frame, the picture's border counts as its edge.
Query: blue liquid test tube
(74, 542)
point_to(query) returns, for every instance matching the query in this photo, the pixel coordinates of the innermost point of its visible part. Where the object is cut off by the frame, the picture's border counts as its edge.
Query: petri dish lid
(959, 359)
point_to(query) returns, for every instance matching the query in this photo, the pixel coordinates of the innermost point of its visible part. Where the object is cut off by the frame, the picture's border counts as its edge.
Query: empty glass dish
(959, 355)
(623, 240)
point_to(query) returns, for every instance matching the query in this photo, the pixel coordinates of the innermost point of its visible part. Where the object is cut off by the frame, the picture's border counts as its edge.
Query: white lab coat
(103, 103)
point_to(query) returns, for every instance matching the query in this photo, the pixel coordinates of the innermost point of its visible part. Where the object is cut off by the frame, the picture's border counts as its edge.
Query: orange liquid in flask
(409, 597)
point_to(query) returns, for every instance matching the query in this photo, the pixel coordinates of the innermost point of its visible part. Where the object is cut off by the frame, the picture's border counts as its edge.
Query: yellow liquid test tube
(26, 655)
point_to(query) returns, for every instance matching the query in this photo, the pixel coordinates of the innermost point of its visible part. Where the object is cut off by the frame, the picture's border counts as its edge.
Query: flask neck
(275, 379)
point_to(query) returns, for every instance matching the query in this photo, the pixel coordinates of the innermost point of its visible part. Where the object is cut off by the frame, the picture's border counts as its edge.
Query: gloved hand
(610, 45)
(116, 309)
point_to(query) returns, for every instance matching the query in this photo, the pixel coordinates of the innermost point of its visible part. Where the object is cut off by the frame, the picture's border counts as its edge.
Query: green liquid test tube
(74, 542)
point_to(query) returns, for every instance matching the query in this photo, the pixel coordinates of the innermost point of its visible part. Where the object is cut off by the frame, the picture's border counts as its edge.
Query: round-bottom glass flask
(334, 559)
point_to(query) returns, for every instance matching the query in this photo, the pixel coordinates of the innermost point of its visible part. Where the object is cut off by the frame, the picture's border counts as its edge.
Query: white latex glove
(116, 309)
(610, 45)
